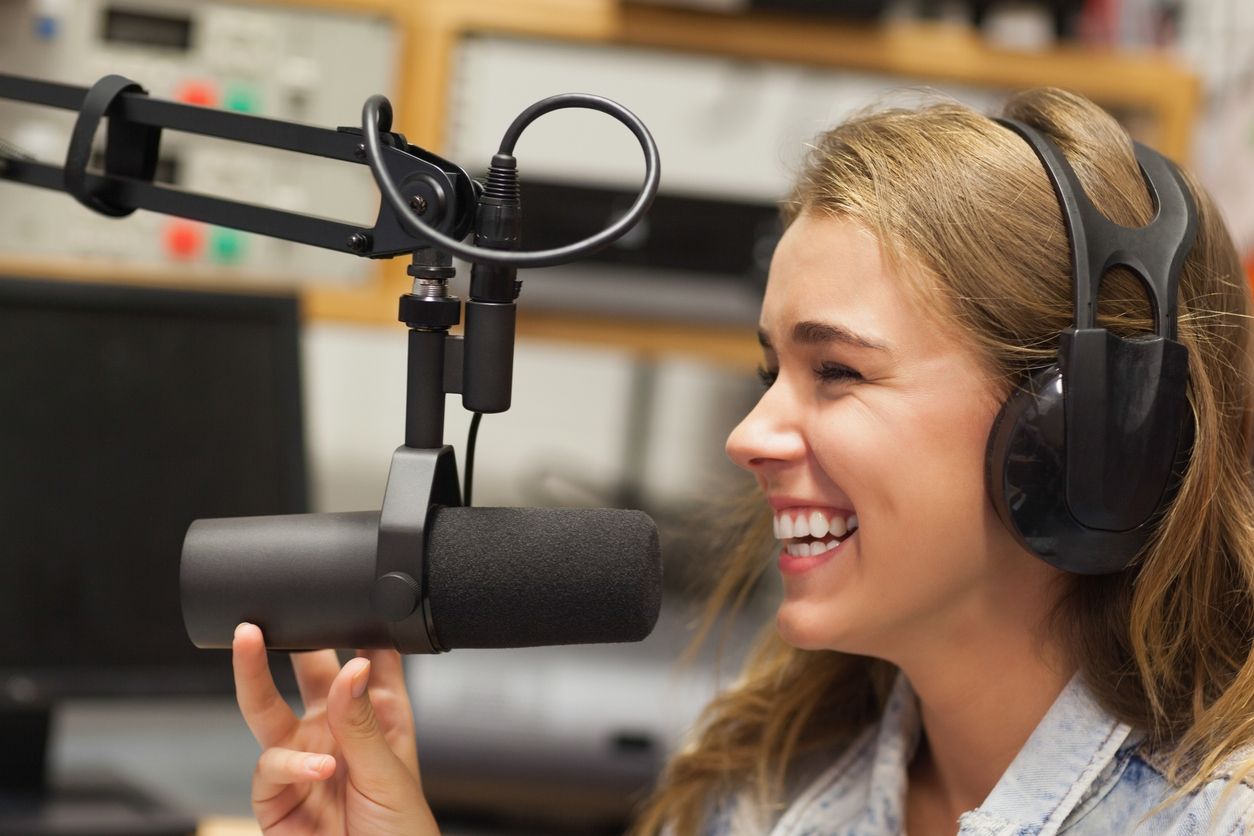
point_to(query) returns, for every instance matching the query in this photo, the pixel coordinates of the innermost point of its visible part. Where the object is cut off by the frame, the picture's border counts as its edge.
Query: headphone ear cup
(1026, 455)
(1025, 472)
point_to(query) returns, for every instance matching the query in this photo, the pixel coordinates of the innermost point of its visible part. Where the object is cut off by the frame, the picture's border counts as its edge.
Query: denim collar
(1071, 747)
(1055, 772)
(1073, 744)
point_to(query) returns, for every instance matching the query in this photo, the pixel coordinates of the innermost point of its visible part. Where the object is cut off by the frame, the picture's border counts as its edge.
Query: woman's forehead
(831, 286)
(831, 270)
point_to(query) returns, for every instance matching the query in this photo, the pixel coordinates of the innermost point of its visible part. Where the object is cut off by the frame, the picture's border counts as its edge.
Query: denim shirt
(1081, 773)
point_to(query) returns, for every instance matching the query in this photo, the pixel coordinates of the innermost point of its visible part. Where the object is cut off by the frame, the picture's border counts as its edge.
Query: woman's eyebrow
(811, 332)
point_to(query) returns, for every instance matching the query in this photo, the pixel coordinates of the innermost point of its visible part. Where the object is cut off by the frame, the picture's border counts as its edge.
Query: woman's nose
(768, 437)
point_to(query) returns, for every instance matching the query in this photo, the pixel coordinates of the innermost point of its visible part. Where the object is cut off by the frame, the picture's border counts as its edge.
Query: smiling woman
(985, 628)
(931, 669)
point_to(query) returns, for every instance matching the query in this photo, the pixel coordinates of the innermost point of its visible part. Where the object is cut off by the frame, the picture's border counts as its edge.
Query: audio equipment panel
(733, 131)
(283, 62)
(730, 127)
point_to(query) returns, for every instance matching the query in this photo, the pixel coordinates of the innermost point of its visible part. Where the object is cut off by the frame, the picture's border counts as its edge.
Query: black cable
(470, 455)
(376, 116)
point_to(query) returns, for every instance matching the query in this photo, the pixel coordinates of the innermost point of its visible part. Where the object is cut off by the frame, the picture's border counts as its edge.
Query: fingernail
(314, 764)
(239, 627)
(361, 678)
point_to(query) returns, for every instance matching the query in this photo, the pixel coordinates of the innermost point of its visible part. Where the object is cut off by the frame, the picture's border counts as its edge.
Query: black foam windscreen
(530, 577)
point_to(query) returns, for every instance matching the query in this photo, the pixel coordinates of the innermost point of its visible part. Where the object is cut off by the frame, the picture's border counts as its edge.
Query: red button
(184, 240)
(198, 93)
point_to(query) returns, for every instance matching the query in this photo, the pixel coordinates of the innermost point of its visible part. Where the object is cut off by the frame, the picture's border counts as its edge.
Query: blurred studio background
(126, 412)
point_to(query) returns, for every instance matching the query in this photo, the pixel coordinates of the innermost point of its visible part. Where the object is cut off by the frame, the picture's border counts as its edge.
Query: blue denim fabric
(1081, 773)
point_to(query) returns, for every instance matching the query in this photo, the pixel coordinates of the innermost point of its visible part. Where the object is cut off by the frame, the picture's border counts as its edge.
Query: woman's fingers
(268, 716)
(315, 671)
(281, 779)
(387, 669)
(279, 768)
(377, 771)
(389, 697)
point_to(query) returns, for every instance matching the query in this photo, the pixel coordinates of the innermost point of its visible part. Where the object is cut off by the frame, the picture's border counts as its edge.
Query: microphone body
(305, 579)
(485, 578)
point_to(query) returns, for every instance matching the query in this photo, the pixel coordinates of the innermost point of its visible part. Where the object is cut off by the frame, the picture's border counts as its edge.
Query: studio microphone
(425, 574)
(485, 578)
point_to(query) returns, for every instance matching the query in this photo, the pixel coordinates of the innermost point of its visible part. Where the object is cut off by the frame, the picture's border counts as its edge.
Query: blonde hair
(1166, 644)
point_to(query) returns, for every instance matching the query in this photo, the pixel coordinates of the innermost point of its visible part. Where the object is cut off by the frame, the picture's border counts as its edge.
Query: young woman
(926, 673)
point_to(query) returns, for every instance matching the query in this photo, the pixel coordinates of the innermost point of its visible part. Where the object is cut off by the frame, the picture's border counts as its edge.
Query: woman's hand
(350, 764)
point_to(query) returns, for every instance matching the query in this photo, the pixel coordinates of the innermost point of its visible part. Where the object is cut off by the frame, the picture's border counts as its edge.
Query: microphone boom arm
(445, 190)
(428, 204)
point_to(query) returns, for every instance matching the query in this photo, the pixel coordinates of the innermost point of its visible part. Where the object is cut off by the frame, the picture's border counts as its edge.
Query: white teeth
(810, 549)
(818, 524)
(814, 523)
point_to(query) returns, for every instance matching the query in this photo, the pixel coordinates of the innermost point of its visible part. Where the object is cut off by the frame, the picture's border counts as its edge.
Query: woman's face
(875, 413)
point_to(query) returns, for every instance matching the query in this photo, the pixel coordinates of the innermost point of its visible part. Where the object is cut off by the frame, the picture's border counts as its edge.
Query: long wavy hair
(1165, 644)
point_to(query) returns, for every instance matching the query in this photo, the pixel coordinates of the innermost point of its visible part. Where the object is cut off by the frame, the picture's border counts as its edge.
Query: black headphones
(1082, 460)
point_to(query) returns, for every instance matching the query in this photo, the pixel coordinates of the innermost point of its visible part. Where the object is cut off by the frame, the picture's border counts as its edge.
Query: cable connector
(498, 226)
(488, 365)
(502, 182)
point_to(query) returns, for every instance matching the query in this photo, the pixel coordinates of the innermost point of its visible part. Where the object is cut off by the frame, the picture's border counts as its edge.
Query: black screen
(125, 414)
(146, 29)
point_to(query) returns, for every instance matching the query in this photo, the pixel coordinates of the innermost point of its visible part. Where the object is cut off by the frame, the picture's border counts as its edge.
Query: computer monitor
(125, 414)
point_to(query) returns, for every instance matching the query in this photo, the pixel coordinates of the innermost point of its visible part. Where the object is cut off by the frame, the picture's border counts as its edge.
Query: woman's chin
(807, 627)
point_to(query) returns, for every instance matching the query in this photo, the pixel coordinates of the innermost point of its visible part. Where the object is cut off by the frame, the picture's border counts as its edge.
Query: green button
(226, 246)
(242, 98)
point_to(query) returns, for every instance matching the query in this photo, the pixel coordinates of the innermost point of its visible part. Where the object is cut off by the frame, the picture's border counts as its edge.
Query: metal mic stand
(429, 205)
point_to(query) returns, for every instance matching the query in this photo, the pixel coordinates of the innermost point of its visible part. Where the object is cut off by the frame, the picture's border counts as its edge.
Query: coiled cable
(376, 116)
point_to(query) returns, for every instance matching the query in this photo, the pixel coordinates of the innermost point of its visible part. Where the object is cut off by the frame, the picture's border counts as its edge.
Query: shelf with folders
(1154, 93)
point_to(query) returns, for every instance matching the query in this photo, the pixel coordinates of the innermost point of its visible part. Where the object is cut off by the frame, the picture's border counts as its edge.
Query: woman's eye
(825, 372)
(835, 371)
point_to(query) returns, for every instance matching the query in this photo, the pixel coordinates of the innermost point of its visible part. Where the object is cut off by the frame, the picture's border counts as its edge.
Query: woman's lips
(802, 560)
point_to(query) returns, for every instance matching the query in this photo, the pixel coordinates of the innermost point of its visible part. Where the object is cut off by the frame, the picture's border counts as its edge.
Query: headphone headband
(1154, 252)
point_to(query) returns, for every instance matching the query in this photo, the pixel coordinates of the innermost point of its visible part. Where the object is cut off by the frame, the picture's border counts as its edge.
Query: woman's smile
(810, 535)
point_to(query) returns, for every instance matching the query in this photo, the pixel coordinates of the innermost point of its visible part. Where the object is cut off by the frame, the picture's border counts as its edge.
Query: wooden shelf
(918, 51)
(1148, 82)
(725, 345)
(228, 826)
(84, 270)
